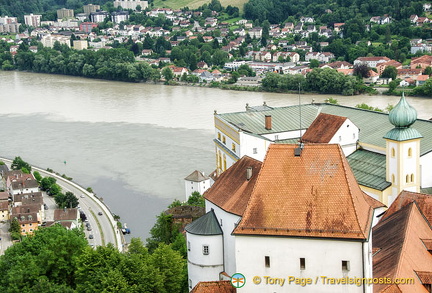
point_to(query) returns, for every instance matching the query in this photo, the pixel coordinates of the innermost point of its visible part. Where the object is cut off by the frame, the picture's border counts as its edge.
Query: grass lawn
(177, 4)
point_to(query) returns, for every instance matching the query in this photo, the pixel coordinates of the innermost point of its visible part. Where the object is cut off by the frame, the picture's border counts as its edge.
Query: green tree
(47, 182)
(389, 72)
(167, 73)
(15, 229)
(196, 199)
(49, 256)
(171, 267)
(67, 200)
(18, 164)
(314, 63)
(367, 107)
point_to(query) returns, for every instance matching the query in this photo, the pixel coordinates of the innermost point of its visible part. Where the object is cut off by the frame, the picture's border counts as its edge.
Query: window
(407, 178)
(255, 151)
(267, 261)
(31, 230)
(412, 177)
(190, 283)
(410, 152)
(224, 163)
(276, 137)
(340, 138)
(219, 136)
(223, 139)
(221, 222)
(233, 147)
(206, 250)
(23, 230)
(302, 263)
(393, 178)
(353, 135)
(393, 152)
(188, 245)
(345, 265)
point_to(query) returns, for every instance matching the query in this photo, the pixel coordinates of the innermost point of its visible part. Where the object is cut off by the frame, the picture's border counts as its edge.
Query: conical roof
(205, 225)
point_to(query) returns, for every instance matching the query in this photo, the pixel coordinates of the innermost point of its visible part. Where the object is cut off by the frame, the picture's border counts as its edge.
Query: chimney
(248, 173)
(268, 122)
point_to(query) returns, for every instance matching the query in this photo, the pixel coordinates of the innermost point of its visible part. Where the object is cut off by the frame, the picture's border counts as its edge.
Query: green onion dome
(403, 115)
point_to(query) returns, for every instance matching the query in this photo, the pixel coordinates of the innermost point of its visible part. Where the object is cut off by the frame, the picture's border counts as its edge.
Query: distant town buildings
(131, 4)
(32, 20)
(65, 13)
(89, 8)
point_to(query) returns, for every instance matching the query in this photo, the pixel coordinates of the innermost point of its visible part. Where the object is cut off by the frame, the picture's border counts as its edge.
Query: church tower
(402, 151)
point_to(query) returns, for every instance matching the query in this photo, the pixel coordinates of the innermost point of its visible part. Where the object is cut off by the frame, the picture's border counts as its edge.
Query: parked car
(91, 236)
(100, 214)
(89, 228)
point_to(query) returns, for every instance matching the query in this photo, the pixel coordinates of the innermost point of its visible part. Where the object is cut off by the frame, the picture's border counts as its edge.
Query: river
(132, 143)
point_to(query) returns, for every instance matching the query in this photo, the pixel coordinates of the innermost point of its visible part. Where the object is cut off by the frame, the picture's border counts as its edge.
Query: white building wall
(192, 186)
(347, 137)
(426, 170)
(227, 222)
(253, 146)
(203, 267)
(323, 258)
(284, 135)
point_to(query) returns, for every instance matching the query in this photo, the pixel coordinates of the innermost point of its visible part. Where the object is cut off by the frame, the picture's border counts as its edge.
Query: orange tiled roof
(424, 202)
(323, 128)
(402, 253)
(214, 287)
(311, 195)
(346, 71)
(232, 190)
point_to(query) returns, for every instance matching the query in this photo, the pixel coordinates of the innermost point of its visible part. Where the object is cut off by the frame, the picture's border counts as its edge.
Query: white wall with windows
(228, 222)
(282, 257)
(205, 258)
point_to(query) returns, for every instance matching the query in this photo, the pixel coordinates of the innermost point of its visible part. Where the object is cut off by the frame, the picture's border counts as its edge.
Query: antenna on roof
(298, 150)
(300, 112)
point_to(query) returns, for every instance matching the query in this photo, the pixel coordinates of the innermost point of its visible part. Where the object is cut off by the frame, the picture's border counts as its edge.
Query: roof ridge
(344, 161)
(402, 250)
(253, 189)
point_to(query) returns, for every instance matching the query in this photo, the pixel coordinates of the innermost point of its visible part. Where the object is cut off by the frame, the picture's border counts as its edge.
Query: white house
(251, 132)
(197, 181)
(293, 215)
(205, 249)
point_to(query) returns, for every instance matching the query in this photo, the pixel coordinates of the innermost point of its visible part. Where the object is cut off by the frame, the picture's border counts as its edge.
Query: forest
(329, 12)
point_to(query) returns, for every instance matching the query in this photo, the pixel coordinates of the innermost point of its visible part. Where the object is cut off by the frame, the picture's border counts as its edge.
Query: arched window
(393, 178)
(410, 152)
(407, 179)
(412, 177)
(393, 152)
(219, 136)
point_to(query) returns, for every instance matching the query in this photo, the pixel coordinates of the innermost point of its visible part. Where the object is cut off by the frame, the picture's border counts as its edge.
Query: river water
(132, 143)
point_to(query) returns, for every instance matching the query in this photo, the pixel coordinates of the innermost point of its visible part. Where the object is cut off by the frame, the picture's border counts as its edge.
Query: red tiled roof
(424, 202)
(214, 287)
(232, 190)
(323, 128)
(311, 195)
(402, 253)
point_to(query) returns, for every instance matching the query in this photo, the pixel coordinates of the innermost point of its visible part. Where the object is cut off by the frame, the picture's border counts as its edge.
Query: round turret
(403, 115)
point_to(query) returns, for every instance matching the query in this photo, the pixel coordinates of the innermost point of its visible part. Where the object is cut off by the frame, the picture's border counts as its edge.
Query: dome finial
(403, 115)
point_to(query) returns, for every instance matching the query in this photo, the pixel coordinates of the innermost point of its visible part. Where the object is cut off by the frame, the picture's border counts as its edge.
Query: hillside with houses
(214, 45)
